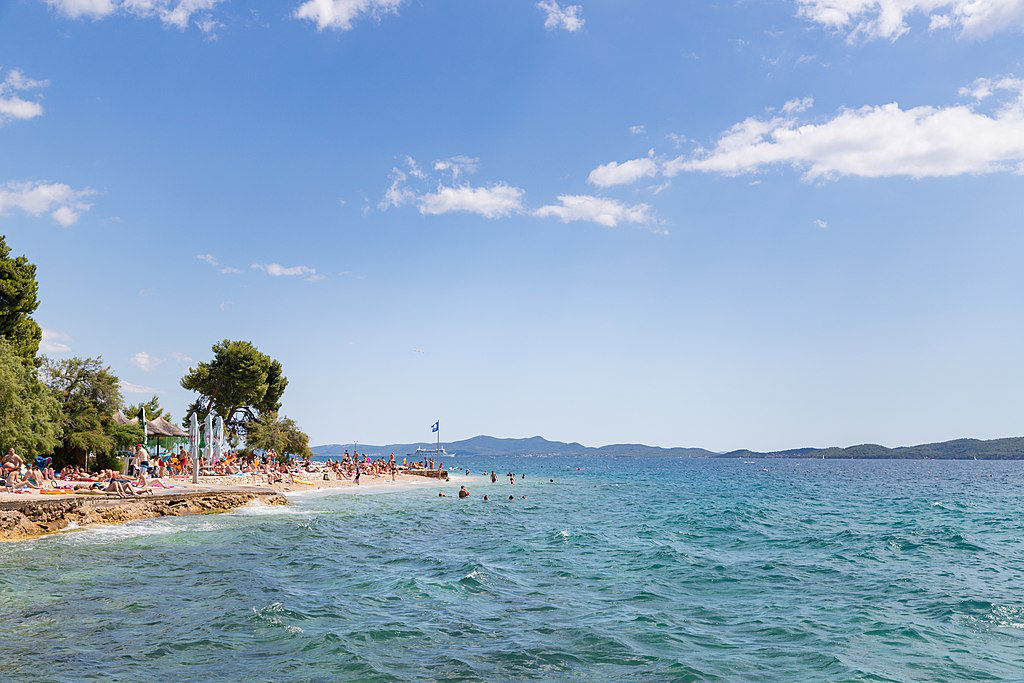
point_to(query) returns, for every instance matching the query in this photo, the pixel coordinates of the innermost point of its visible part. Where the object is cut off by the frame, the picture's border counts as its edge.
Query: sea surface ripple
(648, 569)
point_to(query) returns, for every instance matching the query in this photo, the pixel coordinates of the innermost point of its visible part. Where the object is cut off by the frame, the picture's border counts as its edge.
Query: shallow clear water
(643, 569)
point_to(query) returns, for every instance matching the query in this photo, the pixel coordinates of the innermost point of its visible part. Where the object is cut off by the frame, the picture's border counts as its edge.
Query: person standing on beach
(143, 459)
(358, 472)
(11, 464)
(392, 466)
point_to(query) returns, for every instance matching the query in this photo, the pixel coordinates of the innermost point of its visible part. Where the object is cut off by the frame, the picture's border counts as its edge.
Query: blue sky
(733, 224)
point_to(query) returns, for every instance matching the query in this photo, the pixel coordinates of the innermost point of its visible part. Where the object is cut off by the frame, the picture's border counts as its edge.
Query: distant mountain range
(959, 449)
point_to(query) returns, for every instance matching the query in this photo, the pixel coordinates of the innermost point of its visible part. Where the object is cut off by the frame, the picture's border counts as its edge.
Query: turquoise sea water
(626, 569)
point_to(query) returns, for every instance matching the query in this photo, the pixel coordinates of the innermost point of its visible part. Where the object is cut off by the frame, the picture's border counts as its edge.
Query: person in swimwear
(11, 464)
(463, 492)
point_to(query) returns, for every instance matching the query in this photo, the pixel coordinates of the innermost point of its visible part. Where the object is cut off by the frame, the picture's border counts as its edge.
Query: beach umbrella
(218, 438)
(145, 427)
(208, 436)
(193, 445)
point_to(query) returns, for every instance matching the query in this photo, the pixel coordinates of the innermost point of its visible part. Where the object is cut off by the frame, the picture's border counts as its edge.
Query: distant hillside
(959, 449)
(492, 446)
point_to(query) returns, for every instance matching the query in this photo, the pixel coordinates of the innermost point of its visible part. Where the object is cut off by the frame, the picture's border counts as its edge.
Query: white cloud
(212, 260)
(65, 215)
(12, 106)
(677, 139)
(78, 9)
(339, 14)
(457, 166)
(798, 105)
(607, 212)
(614, 173)
(567, 17)
(821, 224)
(129, 388)
(277, 270)
(181, 357)
(414, 168)
(210, 26)
(397, 193)
(144, 361)
(497, 201)
(176, 13)
(62, 202)
(879, 141)
(869, 19)
(54, 342)
(638, 130)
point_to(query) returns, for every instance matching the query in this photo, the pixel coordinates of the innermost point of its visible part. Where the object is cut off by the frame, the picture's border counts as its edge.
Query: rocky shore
(23, 519)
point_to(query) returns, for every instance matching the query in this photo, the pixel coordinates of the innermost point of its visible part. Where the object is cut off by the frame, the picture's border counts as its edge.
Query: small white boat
(438, 452)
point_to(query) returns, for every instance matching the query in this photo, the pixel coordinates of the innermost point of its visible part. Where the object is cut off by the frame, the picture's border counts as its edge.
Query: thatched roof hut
(157, 427)
(120, 419)
(161, 427)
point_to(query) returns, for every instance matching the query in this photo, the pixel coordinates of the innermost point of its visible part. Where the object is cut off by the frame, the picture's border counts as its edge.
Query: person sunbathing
(34, 478)
(122, 487)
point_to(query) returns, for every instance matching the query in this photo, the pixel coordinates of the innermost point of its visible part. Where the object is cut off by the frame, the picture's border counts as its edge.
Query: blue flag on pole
(436, 426)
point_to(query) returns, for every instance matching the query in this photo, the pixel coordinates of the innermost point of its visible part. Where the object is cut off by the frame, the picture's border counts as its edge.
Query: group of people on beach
(143, 472)
(40, 477)
(357, 465)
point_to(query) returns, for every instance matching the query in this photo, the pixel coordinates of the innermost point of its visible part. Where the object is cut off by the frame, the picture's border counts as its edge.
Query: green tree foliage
(30, 419)
(89, 394)
(153, 409)
(18, 300)
(278, 433)
(240, 384)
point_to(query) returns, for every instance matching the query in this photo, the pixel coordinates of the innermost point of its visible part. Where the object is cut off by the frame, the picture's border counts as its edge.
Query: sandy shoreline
(30, 515)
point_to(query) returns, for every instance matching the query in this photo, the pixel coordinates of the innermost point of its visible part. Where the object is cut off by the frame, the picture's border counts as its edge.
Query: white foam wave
(259, 509)
(1008, 617)
(121, 532)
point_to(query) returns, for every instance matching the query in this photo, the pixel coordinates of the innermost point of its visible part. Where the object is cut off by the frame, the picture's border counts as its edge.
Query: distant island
(1011, 448)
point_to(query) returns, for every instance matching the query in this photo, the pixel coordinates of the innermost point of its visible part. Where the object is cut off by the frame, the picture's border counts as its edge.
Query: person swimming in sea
(486, 498)
(494, 477)
(463, 492)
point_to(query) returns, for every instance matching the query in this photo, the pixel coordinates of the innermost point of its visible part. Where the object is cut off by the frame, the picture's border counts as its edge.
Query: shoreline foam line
(27, 519)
